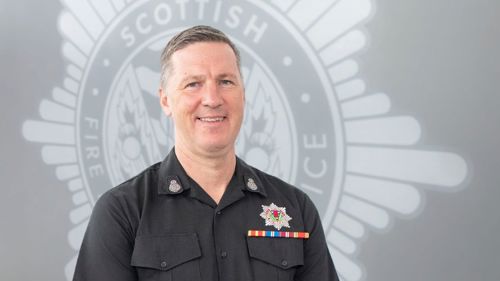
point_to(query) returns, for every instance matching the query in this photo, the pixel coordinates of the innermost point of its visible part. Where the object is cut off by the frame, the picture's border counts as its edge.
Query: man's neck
(211, 172)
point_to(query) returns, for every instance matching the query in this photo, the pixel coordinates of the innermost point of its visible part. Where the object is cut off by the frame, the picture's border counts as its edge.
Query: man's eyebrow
(226, 75)
(191, 78)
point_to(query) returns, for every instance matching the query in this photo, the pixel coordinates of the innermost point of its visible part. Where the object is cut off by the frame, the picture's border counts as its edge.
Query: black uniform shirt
(161, 225)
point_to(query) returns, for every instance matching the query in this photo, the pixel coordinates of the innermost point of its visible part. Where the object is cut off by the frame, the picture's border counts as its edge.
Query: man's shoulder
(135, 186)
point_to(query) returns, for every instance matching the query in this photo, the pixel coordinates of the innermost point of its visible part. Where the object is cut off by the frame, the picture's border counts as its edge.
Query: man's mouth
(211, 119)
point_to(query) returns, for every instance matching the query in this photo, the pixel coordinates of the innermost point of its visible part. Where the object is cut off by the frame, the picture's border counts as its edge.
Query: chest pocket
(171, 257)
(275, 258)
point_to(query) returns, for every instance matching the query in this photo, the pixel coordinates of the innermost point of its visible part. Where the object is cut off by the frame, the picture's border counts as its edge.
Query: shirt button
(219, 212)
(284, 263)
(163, 264)
(223, 254)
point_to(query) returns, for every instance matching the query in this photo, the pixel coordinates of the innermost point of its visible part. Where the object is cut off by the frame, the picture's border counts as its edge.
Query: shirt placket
(222, 221)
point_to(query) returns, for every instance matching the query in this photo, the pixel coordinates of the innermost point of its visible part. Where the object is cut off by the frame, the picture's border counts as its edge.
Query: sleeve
(318, 264)
(107, 246)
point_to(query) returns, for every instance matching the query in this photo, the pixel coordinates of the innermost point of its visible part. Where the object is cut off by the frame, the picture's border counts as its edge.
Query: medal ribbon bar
(278, 234)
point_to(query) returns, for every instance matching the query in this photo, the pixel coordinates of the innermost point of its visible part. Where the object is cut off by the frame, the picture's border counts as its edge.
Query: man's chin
(217, 148)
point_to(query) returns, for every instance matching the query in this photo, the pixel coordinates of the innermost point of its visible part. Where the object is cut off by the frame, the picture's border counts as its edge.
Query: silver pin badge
(251, 184)
(174, 186)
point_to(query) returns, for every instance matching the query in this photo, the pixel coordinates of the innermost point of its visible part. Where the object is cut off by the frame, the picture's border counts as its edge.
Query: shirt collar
(173, 179)
(248, 178)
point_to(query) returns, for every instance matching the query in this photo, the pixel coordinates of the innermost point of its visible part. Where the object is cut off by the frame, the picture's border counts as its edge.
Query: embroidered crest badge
(275, 216)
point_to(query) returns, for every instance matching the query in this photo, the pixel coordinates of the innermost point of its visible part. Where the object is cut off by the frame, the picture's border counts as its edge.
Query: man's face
(204, 96)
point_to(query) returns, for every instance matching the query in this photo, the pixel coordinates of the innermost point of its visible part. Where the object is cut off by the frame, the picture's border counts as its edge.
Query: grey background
(438, 61)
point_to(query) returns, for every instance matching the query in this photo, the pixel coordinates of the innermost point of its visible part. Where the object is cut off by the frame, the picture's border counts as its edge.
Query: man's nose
(212, 95)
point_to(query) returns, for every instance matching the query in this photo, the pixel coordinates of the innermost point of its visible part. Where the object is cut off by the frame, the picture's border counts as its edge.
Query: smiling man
(203, 213)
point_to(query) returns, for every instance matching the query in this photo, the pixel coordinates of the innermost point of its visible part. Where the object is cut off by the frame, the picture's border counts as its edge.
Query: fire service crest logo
(309, 118)
(275, 216)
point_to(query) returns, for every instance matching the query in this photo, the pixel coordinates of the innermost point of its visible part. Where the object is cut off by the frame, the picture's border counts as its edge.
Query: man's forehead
(193, 76)
(200, 55)
(205, 46)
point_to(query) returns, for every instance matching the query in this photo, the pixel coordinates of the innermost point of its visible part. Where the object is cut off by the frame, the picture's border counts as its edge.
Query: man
(201, 213)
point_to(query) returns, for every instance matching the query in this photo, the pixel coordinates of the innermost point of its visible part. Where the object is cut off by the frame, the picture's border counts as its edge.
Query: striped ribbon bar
(278, 234)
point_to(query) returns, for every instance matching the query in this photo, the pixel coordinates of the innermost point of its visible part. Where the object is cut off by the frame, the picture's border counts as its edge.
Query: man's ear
(164, 102)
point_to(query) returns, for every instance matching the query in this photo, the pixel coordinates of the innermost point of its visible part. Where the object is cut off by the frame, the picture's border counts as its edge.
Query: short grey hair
(195, 34)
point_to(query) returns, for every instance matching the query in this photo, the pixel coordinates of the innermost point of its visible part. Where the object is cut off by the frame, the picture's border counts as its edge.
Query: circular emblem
(285, 131)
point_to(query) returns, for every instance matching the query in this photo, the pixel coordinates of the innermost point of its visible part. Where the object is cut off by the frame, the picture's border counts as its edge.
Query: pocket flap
(280, 252)
(165, 251)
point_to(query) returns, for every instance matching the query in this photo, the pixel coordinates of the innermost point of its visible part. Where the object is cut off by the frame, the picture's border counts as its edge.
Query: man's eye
(226, 82)
(192, 85)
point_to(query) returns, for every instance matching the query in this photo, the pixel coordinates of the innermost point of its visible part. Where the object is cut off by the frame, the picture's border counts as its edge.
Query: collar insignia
(275, 216)
(251, 184)
(174, 186)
